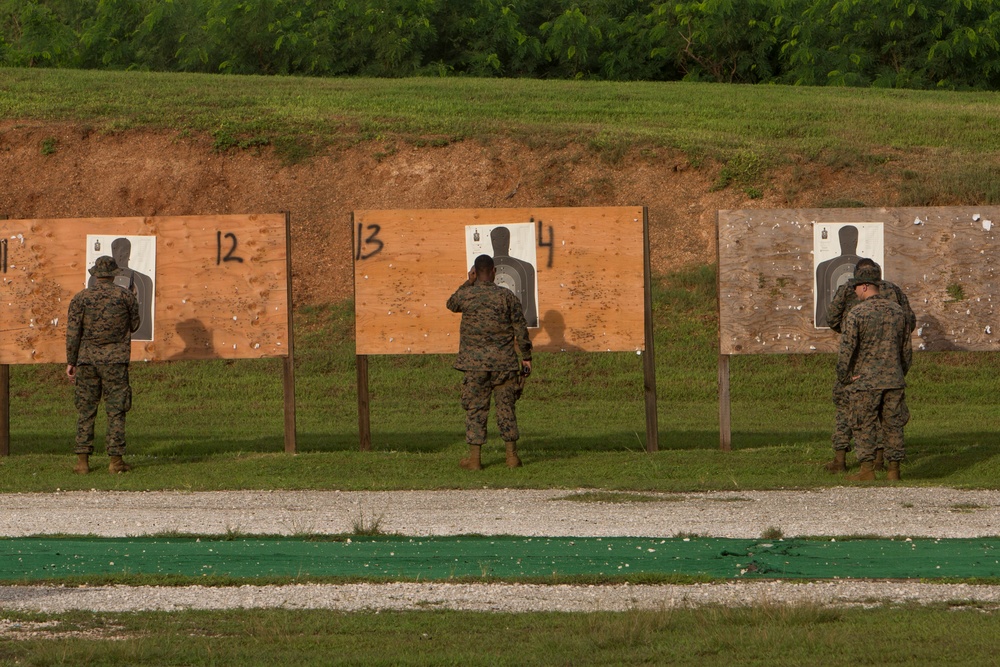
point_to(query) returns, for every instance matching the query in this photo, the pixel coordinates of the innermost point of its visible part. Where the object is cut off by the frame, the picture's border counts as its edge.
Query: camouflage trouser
(841, 422)
(477, 386)
(842, 429)
(870, 410)
(111, 380)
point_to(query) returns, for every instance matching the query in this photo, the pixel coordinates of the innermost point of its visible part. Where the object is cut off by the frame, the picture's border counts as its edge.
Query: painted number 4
(231, 255)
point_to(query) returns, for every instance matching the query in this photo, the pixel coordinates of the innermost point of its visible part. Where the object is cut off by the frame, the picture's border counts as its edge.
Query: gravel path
(883, 511)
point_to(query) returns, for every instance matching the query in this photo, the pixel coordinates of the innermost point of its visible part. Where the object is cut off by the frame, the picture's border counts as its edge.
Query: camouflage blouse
(875, 345)
(845, 299)
(493, 328)
(101, 321)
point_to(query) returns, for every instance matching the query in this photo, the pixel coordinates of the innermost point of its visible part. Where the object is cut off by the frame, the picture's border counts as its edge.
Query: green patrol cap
(866, 275)
(104, 267)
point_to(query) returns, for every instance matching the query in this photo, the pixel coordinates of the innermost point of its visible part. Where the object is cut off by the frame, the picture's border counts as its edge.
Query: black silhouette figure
(515, 274)
(835, 272)
(140, 284)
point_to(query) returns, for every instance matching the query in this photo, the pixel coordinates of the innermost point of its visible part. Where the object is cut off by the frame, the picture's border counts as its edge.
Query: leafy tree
(107, 38)
(895, 43)
(394, 35)
(490, 38)
(570, 40)
(38, 35)
(719, 40)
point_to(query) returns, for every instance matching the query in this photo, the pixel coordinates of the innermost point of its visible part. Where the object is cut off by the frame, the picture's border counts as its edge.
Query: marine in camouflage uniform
(98, 347)
(875, 356)
(492, 334)
(843, 301)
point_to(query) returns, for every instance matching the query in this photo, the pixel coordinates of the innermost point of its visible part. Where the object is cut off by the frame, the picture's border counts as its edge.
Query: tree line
(950, 44)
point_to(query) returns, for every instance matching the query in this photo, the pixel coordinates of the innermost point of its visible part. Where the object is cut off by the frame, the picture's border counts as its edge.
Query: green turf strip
(438, 558)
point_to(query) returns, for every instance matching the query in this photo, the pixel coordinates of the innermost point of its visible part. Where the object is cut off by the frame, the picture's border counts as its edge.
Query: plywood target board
(208, 286)
(778, 270)
(578, 272)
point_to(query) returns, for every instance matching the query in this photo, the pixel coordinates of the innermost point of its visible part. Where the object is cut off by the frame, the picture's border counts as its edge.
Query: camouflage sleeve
(455, 300)
(74, 331)
(848, 347)
(911, 318)
(835, 313)
(906, 352)
(133, 311)
(520, 328)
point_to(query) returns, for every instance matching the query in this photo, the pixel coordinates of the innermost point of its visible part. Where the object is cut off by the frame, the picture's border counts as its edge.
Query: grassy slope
(704, 118)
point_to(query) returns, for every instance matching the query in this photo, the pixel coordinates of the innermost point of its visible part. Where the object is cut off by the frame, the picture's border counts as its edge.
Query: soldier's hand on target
(472, 276)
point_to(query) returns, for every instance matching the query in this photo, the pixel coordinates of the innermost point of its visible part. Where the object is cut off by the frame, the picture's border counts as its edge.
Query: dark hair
(483, 263)
(868, 261)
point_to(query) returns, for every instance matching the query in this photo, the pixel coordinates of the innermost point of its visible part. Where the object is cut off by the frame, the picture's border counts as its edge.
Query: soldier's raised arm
(838, 307)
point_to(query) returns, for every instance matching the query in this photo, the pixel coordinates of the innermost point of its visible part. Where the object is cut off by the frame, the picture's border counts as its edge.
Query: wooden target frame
(220, 289)
(591, 270)
(945, 259)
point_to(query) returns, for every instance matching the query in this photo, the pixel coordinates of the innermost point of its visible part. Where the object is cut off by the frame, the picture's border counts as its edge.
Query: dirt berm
(66, 170)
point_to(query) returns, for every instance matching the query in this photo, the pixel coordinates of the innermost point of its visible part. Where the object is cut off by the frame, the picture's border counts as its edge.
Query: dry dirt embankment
(137, 173)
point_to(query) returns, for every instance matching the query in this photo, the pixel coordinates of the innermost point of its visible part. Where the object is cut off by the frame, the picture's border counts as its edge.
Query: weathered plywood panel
(944, 258)
(220, 285)
(589, 273)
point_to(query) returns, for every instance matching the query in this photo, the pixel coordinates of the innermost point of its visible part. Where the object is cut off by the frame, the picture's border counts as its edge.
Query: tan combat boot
(473, 460)
(513, 461)
(893, 475)
(866, 474)
(82, 466)
(879, 464)
(117, 465)
(839, 462)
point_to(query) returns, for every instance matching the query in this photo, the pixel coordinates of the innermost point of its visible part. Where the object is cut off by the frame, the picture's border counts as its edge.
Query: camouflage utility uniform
(875, 347)
(843, 301)
(493, 331)
(98, 342)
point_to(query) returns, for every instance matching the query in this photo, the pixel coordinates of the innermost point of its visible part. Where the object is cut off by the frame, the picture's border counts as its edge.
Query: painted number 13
(372, 242)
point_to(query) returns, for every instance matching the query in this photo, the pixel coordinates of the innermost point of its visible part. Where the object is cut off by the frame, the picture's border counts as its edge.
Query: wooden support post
(4, 410)
(4, 389)
(288, 368)
(649, 357)
(361, 362)
(725, 423)
(364, 417)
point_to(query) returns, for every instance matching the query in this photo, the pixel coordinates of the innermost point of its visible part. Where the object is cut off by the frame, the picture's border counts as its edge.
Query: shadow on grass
(936, 457)
(930, 457)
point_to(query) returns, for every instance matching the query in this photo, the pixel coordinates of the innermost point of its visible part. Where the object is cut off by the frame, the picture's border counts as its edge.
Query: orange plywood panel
(588, 268)
(218, 288)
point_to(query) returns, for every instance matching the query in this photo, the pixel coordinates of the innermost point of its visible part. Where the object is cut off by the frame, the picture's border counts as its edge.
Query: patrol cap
(866, 275)
(104, 267)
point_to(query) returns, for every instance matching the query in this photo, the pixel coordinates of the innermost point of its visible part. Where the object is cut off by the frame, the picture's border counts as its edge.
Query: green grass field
(218, 425)
(764, 635)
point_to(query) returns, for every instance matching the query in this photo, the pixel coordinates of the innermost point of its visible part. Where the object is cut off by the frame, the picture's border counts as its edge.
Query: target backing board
(588, 266)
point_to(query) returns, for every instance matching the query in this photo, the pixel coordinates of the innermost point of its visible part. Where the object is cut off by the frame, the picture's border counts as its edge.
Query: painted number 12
(229, 256)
